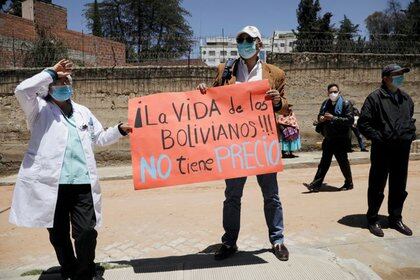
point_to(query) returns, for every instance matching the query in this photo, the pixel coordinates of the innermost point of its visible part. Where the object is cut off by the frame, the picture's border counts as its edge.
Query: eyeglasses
(335, 91)
(248, 39)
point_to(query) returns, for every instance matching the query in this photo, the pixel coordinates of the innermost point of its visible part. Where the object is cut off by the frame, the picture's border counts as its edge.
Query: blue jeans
(272, 208)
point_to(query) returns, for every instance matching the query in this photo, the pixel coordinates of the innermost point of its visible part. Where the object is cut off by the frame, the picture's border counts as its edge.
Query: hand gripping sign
(187, 137)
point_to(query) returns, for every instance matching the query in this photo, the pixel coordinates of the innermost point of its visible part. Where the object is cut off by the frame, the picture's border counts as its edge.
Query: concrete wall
(106, 92)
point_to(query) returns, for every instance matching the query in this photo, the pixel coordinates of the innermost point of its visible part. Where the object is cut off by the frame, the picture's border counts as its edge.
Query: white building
(217, 50)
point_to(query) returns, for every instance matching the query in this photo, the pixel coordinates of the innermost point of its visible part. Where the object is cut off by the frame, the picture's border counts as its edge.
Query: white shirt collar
(243, 75)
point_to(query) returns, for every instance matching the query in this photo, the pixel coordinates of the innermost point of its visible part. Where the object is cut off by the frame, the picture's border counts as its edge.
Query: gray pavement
(315, 253)
(306, 263)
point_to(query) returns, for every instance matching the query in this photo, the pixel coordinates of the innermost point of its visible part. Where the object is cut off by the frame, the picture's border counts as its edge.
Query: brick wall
(16, 27)
(50, 15)
(17, 35)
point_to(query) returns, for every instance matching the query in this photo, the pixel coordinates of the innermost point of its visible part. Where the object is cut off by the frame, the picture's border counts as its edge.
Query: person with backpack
(250, 68)
(335, 119)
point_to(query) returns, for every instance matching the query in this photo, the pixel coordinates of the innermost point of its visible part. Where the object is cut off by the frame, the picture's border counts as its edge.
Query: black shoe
(346, 187)
(312, 187)
(281, 252)
(225, 252)
(376, 229)
(399, 226)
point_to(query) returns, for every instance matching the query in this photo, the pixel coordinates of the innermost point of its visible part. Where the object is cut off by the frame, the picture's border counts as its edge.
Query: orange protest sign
(188, 137)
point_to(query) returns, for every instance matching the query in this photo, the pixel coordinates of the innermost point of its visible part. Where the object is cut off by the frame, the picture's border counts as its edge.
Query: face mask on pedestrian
(334, 96)
(397, 81)
(247, 50)
(61, 93)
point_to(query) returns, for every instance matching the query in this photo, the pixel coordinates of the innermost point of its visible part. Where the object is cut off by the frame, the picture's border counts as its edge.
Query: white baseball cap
(251, 31)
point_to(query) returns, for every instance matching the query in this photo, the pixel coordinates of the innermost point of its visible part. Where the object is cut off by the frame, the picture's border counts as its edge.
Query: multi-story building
(217, 50)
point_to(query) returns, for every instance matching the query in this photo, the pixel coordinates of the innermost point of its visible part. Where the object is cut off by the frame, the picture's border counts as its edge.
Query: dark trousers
(339, 149)
(75, 207)
(388, 160)
(272, 208)
(359, 137)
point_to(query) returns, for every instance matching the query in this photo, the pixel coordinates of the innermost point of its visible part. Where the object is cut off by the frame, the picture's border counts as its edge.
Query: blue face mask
(247, 50)
(397, 81)
(61, 93)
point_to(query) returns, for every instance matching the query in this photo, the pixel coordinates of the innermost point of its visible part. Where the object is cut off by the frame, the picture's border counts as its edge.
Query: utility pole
(223, 46)
(272, 43)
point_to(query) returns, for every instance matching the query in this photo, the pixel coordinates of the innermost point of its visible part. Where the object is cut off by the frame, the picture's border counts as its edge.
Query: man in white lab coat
(57, 184)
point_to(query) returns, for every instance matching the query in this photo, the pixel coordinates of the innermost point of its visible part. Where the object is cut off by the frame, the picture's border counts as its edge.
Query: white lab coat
(36, 189)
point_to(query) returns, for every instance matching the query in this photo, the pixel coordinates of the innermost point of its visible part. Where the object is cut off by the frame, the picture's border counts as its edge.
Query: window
(282, 45)
(234, 53)
(290, 44)
(212, 53)
(224, 53)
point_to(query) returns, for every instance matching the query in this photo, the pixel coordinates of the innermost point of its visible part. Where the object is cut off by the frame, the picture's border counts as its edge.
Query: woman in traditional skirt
(289, 131)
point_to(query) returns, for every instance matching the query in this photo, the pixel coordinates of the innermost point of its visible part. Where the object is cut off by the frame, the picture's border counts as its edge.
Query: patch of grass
(32, 272)
(108, 266)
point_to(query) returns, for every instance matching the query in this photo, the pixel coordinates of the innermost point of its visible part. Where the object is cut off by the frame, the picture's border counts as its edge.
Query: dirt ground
(187, 219)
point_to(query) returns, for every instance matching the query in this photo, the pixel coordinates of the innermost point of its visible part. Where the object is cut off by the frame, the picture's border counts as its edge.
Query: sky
(208, 18)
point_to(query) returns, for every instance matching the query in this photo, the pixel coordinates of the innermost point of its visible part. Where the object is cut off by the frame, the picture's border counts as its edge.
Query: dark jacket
(339, 126)
(388, 117)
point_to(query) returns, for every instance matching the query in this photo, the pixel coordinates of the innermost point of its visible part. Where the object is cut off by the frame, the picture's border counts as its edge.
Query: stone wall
(106, 92)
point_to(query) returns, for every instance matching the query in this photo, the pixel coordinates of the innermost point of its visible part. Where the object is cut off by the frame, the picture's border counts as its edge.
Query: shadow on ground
(53, 273)
(324, 188)
(360, 221)
(200, 260)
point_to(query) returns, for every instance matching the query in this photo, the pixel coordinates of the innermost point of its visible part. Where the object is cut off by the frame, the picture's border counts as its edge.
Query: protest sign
(188, 137)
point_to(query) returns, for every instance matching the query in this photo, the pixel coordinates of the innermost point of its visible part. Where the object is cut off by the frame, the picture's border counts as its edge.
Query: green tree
(306, 12)
(96, 20)
(394, 29)
(345, 35)
(325, 33)
(413, 20)
(314, 32)
(378, 25)
(149, 28)
(396, 17)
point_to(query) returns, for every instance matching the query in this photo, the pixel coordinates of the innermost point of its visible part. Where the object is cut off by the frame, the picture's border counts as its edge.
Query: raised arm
(26, 94)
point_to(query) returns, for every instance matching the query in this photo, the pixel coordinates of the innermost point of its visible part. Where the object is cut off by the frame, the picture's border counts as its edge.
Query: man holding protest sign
(249, 68)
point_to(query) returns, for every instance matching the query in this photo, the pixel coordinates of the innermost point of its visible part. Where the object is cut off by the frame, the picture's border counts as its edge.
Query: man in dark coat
(335, 119)
(387, 120)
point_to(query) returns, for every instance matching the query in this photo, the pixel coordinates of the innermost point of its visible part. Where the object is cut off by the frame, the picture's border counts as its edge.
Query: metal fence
(17, 53)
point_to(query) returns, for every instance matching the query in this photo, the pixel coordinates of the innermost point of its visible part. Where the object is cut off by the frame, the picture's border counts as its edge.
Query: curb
(309, 164)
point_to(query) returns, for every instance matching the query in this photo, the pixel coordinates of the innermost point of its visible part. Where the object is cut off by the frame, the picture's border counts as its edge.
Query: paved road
(160, 233)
